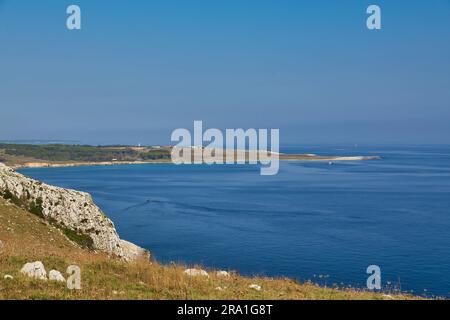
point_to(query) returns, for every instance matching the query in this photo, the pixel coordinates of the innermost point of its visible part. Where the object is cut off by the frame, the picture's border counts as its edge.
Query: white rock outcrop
(70, 209)
(255, 287)
(133, 251)
(196, 272)
(34, 270)
(55, 275)
(222, 273)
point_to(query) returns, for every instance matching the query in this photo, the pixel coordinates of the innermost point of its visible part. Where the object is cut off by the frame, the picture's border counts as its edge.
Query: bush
(82, 239)
(7, 195)
(36, 208)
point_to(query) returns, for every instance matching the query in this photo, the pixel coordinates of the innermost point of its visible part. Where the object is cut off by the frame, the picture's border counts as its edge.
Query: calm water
(311, 220)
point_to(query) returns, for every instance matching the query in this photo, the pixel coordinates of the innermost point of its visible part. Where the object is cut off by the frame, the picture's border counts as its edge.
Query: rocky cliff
(72, 211)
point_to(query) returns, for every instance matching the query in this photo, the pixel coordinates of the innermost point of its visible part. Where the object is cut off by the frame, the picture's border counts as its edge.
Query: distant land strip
(62, 155)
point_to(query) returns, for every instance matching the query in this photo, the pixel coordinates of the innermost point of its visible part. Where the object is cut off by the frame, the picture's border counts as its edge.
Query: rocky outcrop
(255, 287)
(35, 270)
(222, 273)
(55, 275)
(196, 272)
(73, 211)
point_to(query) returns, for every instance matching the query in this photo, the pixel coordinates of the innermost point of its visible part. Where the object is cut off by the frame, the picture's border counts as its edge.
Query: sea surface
(313, 221)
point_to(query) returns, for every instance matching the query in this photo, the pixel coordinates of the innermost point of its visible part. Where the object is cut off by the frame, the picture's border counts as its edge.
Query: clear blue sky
(139, 69)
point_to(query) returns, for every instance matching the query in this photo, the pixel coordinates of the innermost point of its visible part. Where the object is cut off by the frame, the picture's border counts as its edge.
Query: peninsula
(61, 155)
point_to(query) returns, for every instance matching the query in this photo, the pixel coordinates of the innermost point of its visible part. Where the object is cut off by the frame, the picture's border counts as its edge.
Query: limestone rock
(55, 275)
(223, 273)
(132, 252)
(35, 270)
(115, 292)
(255, 287)
(196, 272)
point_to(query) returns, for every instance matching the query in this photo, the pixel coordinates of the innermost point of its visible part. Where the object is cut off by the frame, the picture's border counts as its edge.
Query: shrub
(82, 239)
(36, 208)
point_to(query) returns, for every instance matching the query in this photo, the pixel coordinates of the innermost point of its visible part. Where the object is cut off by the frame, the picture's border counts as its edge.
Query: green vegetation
(35, 207)
(83, 240)
(82, 153)
(7, 195)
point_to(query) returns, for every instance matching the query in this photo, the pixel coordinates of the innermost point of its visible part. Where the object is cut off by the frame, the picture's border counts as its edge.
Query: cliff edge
(74, 212)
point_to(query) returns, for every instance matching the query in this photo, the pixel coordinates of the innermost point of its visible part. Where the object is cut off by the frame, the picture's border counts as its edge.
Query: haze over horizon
(136, 71)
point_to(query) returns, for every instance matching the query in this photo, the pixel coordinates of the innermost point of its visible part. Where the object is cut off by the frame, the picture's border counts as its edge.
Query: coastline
(82, 164)
(136, 251)
(135, 254)
(283, 157)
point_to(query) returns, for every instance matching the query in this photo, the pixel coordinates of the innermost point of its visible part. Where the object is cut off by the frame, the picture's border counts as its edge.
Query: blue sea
(313, 221)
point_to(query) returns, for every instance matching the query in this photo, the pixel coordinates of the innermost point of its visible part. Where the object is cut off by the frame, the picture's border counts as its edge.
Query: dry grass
(27, 238)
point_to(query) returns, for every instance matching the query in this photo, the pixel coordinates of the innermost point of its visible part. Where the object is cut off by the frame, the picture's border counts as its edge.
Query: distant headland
(67, 155)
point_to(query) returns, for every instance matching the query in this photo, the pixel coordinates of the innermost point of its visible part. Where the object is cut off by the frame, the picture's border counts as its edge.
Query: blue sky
(139, 69)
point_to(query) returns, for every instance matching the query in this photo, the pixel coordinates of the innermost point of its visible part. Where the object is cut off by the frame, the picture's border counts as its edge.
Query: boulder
(196, 272)
(55, 275)
(222, 273)
(34, 270)
(255, 287)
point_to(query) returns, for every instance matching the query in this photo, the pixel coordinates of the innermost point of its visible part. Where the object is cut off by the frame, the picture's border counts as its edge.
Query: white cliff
(69, 209)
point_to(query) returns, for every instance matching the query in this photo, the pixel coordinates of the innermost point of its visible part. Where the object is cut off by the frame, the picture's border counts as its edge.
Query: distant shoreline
(285, 157)
(83, 164)
(20, 156)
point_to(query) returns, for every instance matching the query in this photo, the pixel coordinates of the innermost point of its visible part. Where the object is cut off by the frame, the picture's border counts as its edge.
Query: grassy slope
(27, 238)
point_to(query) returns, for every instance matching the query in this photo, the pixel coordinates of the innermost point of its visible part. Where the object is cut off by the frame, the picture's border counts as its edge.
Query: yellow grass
(27, 238)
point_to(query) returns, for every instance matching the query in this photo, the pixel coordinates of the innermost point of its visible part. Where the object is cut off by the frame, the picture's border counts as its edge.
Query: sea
(324, 222)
